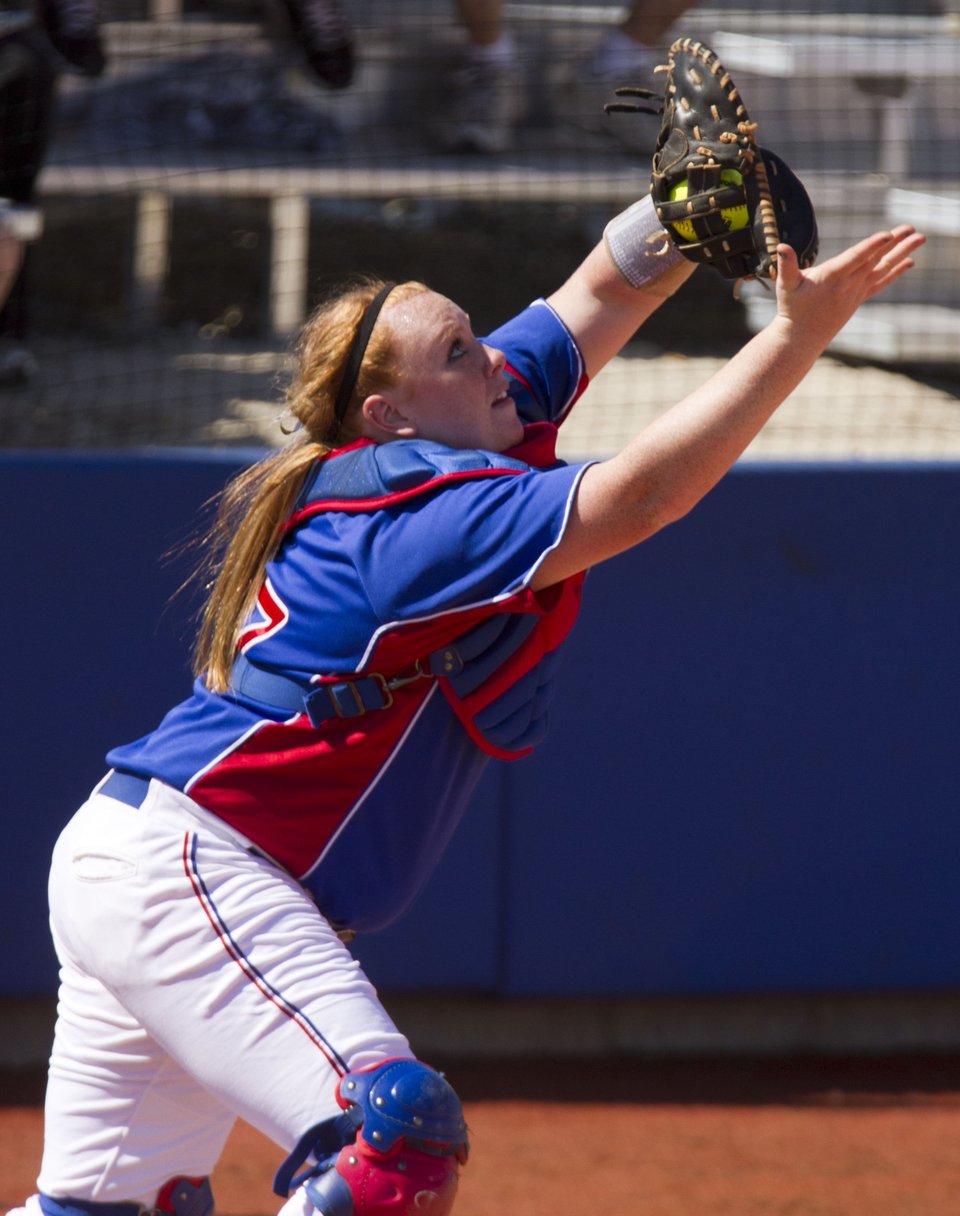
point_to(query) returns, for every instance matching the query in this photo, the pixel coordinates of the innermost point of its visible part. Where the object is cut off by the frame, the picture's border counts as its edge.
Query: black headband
(358, 349)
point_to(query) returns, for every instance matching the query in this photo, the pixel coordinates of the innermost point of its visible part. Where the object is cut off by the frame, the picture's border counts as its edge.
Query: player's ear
(383, 419)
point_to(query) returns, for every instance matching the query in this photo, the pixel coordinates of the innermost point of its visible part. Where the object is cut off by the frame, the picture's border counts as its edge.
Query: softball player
(389, 595)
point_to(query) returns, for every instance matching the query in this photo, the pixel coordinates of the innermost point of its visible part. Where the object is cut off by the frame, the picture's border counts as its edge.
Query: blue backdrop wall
(751, 782)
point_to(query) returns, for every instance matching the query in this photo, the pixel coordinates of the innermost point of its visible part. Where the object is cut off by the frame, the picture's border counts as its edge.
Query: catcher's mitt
(723, 199)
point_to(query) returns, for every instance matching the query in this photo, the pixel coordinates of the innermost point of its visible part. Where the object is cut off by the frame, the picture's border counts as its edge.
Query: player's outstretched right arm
(680, 456)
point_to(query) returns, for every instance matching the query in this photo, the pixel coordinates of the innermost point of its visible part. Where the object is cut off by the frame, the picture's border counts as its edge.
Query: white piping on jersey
(563, 524)
(494, 599)
(397, 748)
(575, 396)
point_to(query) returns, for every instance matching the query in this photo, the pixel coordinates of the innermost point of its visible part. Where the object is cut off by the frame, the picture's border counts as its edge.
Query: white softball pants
(199, 983)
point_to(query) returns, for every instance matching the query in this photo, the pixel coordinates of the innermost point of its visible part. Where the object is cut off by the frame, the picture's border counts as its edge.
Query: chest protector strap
(467, 661)
(335, 696)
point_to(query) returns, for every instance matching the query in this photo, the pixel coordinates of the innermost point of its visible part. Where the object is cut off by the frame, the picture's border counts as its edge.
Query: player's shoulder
(537, 322)
(366, 476)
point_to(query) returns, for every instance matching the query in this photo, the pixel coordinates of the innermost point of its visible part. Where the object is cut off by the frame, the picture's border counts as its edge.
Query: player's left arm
(620, 284)
(679, 456)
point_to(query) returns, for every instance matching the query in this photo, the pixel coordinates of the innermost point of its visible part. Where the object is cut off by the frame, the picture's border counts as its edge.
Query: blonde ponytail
(255, 505)
(245, 535)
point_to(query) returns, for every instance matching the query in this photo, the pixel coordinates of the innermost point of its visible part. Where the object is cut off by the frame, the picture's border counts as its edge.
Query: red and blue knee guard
(403, 1159)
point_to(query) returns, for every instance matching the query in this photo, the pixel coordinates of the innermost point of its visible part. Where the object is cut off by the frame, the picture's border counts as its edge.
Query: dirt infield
(800, 1137)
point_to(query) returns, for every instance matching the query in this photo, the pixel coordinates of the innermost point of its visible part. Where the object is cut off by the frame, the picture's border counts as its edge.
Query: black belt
(126, 787)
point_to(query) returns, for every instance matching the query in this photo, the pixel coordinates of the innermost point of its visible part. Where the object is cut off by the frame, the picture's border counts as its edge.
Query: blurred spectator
(487, 85)
(487, 88)
(324, 34)
(28, 72)
(629, 51)
(625, 54)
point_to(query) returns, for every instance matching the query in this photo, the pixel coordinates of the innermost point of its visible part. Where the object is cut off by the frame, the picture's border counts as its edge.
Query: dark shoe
(320, 28)
(73, 26)
(485, 106)
(85, 53)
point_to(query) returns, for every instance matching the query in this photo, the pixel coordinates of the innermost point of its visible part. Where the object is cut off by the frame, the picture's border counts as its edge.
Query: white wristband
(638, 245)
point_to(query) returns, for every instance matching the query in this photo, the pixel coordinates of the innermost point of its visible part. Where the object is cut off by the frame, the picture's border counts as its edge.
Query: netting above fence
(233, 160)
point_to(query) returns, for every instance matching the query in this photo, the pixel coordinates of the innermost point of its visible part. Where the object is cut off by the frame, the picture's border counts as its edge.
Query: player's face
(453, 388)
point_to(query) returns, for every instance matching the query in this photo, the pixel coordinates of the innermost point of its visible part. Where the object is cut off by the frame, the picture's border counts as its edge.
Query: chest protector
(495, 663)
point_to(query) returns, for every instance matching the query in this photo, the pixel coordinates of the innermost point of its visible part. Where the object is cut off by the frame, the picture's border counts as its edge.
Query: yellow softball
(734, 217)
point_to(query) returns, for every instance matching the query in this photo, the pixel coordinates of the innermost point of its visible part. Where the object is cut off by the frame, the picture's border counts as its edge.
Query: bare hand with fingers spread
(827, 296)
(668, 468)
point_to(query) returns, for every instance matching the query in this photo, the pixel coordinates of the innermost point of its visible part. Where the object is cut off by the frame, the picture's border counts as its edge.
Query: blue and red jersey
(410, 562)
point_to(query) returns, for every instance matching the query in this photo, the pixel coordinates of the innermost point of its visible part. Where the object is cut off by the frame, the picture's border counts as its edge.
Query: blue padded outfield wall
(751, 782)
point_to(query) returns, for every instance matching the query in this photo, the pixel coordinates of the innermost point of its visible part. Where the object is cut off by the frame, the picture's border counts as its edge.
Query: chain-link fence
(233, 159)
